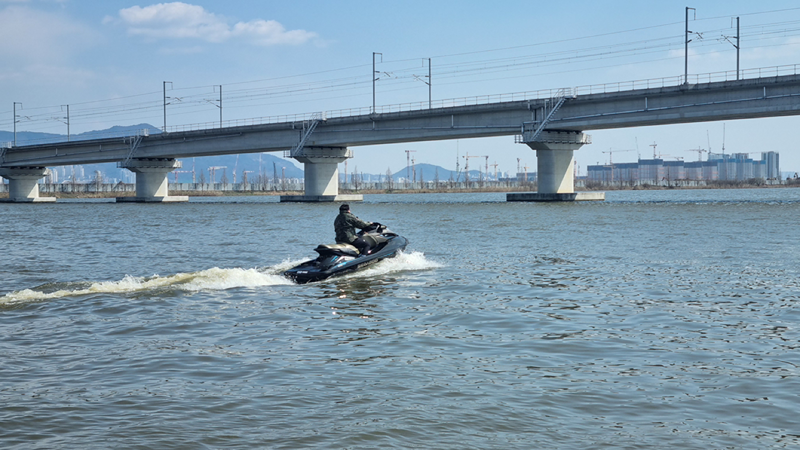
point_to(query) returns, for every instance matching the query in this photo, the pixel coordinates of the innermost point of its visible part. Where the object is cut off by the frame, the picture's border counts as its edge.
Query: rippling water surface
(665, 319)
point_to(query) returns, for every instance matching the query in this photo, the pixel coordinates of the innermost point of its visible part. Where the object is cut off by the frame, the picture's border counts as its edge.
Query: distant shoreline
(499, 189)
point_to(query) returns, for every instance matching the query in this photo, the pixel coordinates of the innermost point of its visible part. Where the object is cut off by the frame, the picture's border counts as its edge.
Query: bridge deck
(726, 100)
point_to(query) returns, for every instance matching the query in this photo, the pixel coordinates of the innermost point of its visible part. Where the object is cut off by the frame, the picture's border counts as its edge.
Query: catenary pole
(686, 48)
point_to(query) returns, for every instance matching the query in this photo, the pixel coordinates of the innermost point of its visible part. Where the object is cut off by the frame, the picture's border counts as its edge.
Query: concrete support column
(321, 174)
(555, 171)
(151, 180)
(555, 163)
(23, 184)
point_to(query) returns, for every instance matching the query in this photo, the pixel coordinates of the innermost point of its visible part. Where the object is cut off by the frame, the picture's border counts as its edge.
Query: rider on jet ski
(345, 226)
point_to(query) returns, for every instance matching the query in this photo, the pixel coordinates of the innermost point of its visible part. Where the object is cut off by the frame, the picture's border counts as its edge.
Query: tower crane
(466, 164)
(495, 170)
(699, 151)
(235, 167)
(176, 172)
(611, 161)
(408, 164)
(654, 145)
(611, 154)
(212, 172)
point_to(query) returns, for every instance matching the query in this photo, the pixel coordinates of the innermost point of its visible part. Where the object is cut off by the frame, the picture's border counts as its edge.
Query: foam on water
(218, 279)
(209, 279)
(402, 262)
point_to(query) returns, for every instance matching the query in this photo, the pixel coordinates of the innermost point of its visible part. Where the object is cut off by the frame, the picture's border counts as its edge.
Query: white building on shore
(719, 166)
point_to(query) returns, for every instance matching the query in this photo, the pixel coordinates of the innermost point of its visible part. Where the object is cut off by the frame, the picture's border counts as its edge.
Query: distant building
(772, 167)
(528, 177)
(651, 171)
(628, 173)
(674, 170)
(736, 166)
(694, 170)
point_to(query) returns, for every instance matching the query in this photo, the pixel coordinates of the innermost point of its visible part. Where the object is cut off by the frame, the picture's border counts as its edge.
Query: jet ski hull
(331, 265)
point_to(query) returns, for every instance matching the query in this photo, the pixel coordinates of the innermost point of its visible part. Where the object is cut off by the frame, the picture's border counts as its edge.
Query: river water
(655, 319)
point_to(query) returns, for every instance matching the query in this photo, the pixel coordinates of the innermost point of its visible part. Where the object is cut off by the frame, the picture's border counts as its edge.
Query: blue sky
(109, 60)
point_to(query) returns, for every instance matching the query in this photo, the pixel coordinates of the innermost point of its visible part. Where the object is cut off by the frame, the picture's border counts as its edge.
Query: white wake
(209, 279)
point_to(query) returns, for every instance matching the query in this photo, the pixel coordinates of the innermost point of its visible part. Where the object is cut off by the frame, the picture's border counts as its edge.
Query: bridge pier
(23, 185)
(321, 167)
(151, 180)
(555, 163)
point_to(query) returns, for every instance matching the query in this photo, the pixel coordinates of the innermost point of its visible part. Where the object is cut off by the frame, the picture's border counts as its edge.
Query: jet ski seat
(337, 249)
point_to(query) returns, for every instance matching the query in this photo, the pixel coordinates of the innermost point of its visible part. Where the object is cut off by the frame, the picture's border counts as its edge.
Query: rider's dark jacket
(345, 226)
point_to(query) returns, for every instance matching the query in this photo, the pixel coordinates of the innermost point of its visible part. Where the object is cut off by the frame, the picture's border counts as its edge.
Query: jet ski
(339, 259)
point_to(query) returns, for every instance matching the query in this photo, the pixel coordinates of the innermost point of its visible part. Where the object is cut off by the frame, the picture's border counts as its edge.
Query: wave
(210, 279)
(400, 263)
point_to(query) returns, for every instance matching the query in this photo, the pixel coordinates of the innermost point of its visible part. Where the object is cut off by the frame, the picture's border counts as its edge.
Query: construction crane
(408, 164)
(176, 172)
(662, 156)
(466, 165)
(495, 170)
(212, 172)
(611, 153)
(244, 176)
(235, 168)
(699, 151)
(611, 160)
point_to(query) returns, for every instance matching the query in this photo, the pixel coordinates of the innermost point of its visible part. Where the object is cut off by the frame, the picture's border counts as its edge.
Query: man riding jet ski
(352, 251)
(345, 226)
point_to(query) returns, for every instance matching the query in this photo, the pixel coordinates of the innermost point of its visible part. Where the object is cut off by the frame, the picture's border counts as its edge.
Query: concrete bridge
(552, 125)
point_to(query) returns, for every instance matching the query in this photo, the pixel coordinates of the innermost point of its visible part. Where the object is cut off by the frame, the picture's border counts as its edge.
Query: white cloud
(270, 32)
(178, 20)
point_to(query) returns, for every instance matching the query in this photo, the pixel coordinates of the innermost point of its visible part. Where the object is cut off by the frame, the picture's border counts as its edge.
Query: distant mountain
(264, 164)
(428, 172)
(29, 137)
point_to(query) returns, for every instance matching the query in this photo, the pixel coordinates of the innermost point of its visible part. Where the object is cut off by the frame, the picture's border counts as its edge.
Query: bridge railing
(728, 75)
(242, 122)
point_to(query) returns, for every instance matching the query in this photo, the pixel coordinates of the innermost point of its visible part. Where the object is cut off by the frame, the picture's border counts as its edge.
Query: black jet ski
(338, 259)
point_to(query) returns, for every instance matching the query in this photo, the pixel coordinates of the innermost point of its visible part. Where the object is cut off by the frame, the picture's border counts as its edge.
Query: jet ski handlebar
(375, 227)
